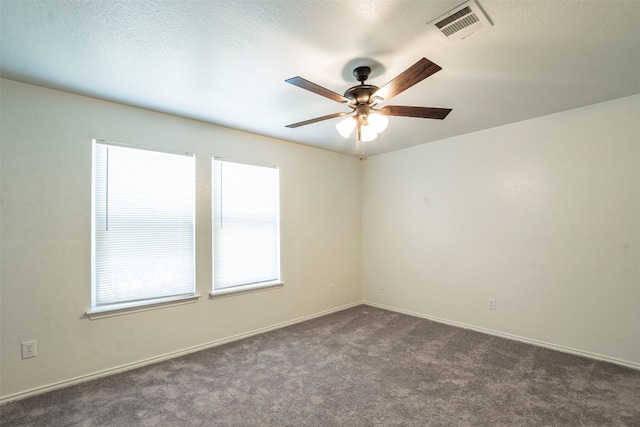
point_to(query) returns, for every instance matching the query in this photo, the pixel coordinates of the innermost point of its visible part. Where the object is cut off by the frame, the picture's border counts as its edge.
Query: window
(143, 225)
(246, 226)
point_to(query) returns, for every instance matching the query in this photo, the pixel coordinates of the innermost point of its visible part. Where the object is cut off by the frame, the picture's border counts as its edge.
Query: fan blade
(317, 119)
(312, 87)
(409, 77)
(421, 112)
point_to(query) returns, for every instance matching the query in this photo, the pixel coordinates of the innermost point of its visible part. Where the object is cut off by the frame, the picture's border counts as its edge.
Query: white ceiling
(225, 61)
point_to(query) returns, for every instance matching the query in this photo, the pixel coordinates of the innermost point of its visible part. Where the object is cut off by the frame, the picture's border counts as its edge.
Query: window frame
(248, 287)
(123, 307)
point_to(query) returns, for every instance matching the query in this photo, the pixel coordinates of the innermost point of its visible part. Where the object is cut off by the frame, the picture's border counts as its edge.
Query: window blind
(245, 224)
(143, 225)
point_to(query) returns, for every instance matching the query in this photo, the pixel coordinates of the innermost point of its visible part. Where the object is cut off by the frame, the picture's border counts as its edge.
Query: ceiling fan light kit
(367, 120)
(373, 124)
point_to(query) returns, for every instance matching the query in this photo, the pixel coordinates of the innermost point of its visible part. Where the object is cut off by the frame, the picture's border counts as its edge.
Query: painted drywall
(542, 215)
(46, 200)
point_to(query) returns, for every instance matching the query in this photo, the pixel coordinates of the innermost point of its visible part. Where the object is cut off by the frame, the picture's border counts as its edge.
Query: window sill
(120, 309)
(258, 287)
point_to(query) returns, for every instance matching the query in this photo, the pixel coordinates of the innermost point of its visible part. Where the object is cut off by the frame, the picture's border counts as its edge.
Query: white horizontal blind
(246, 224)
(143, 225)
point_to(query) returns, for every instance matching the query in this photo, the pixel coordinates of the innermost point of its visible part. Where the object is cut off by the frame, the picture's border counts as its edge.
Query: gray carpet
(359, 367)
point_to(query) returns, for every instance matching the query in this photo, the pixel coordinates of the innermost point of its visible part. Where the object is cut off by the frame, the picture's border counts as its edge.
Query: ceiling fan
(367, 120)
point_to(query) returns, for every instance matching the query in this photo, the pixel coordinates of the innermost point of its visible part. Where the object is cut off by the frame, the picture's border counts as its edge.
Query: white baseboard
(563, 349)
(167, 356)
(183, 352)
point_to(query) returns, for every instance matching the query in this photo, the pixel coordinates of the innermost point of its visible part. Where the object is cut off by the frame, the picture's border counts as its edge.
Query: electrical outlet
(29, 349)
(331, 288)
(382, 286)
(492, 304)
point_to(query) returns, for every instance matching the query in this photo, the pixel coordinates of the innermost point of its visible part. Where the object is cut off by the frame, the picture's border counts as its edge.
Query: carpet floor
(358, 367)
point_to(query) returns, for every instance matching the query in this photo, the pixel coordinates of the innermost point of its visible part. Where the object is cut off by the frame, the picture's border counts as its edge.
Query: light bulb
(346, 127)
(378, 122)
(367, 133)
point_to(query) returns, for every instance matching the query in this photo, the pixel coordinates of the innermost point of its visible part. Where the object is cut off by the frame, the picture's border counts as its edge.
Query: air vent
(461, 22)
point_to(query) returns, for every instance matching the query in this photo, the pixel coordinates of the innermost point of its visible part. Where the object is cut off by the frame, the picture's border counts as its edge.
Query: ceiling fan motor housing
(361, 94)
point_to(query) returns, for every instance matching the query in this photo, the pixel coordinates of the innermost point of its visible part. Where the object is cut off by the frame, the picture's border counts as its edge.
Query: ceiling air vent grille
(461, 22)
(458, 21)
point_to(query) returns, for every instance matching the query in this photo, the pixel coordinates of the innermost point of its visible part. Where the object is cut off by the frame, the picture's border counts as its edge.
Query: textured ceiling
(225, 62)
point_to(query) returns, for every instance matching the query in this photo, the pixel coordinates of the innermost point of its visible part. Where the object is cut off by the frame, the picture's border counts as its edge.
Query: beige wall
(45, 271)
(542, 215)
